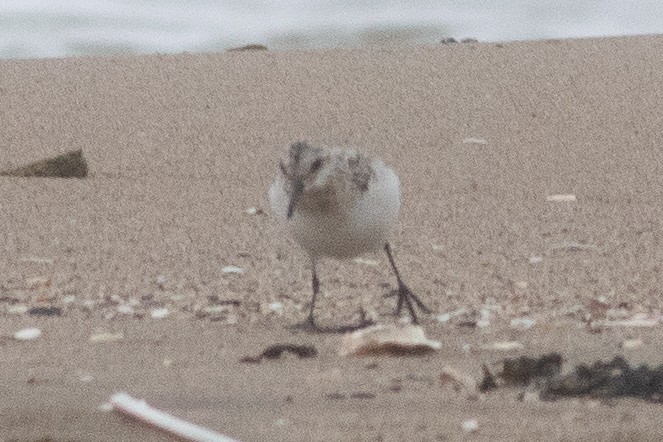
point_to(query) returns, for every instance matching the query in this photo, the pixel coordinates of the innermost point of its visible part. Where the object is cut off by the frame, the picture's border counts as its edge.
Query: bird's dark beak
(296, 192)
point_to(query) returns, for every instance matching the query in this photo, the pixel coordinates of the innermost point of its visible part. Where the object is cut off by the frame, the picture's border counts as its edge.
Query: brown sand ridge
(178, 147)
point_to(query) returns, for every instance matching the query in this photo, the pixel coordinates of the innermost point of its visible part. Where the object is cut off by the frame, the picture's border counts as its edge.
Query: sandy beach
(483, 137)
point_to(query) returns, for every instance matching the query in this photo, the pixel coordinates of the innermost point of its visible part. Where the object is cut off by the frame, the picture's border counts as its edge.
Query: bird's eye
(316, 165)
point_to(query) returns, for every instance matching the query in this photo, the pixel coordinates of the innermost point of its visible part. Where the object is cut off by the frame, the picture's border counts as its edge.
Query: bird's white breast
(350, 229)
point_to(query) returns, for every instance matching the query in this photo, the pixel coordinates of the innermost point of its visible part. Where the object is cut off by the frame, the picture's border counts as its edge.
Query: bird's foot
(409, 299)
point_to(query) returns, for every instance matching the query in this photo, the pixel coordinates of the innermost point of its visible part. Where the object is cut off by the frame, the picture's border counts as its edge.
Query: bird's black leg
(310, 324)
(405, 295)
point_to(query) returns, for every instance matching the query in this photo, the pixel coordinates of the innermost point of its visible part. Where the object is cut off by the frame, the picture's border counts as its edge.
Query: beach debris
(469, 40)
(484, 318)
(503, 346)
(106, 337)
(249, 47)
(161, 281)
(254, 211)
(474, 141)
(140, 410)
(368, 262)
(635, 321)
(38, 282)
(573, 246)
(45, 311)
(37, 260)
(276, 351)
(275, 308)
(460, 382)
(85, 377)
(217, 313)
(600, 380)
(470, 426)
(535, 259)
(125, 309)
(159, 313)
(391, 340)
(523, 323)
(448, 40)
(232, 269)
(27, 334)
(630, 344)
(362, 395)
(446, 317)
(68, 165)
(561, 198)
(17, 309)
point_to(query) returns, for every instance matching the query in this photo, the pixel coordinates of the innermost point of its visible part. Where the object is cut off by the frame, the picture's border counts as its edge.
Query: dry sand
(180, 146)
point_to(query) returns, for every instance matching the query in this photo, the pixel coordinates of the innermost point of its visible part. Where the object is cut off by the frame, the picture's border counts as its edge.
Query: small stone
(105, 407)
(86, 378)
(281, 422)
(470, 425)
(67, 165)
(521, 285)
(535, 259)
(460, 382)
(27, 334)
(45, 311)
(69, 299)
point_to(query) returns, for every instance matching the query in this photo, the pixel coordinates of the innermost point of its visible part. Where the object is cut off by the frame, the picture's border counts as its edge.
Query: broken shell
(17, 309)
(27, 334)
(561, 198)
(125, 309)
(159, 313)
(106, 337)
(38, 282)
(524, 323)
(631, 344)
(394, 340)
(232, 269)
(459, 381)
(503, 346)
(474, 141)
(470, 425)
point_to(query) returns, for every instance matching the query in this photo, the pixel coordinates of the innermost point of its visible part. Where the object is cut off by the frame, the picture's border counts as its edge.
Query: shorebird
(337, 203)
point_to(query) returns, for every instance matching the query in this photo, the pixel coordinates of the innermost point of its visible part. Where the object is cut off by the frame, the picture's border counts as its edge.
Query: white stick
(142, 411)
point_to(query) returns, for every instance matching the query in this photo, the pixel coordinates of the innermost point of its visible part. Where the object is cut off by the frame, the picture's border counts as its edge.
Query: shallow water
(43, 28)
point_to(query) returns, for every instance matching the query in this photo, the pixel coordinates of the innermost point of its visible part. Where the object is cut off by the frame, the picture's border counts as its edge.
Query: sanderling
(337, 203)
